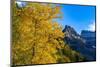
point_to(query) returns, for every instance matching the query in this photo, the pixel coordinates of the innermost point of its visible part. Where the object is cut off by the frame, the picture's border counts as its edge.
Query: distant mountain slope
(81, 42)
(90, 38)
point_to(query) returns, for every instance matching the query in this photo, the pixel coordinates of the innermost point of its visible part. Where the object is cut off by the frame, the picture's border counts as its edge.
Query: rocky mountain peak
(70, 32)
(69, 29)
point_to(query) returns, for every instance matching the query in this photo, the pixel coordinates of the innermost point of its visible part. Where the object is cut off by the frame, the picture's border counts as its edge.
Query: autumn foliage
(36, 38)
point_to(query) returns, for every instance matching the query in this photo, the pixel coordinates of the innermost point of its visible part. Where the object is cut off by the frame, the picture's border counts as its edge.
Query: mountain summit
(71, 36)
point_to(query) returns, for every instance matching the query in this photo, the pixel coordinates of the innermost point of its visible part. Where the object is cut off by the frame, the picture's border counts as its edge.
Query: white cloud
(91, 27)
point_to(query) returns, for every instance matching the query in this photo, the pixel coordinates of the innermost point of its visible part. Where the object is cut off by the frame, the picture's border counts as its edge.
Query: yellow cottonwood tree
(36, 39)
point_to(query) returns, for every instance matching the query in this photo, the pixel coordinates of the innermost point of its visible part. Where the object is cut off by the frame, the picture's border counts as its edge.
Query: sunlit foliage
(36, 38)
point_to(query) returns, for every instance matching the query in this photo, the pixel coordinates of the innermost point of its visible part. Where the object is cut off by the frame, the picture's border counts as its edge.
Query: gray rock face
(72, 37)
(84, 43)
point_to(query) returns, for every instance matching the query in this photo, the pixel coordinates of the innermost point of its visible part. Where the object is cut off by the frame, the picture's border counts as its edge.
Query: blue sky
(77, 16)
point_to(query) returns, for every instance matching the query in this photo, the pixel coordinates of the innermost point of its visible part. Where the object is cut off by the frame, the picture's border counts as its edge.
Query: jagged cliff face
(84, 43)
(73, 38)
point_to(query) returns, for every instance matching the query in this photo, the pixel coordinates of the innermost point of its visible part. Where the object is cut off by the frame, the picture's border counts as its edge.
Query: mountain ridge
(80, 42)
